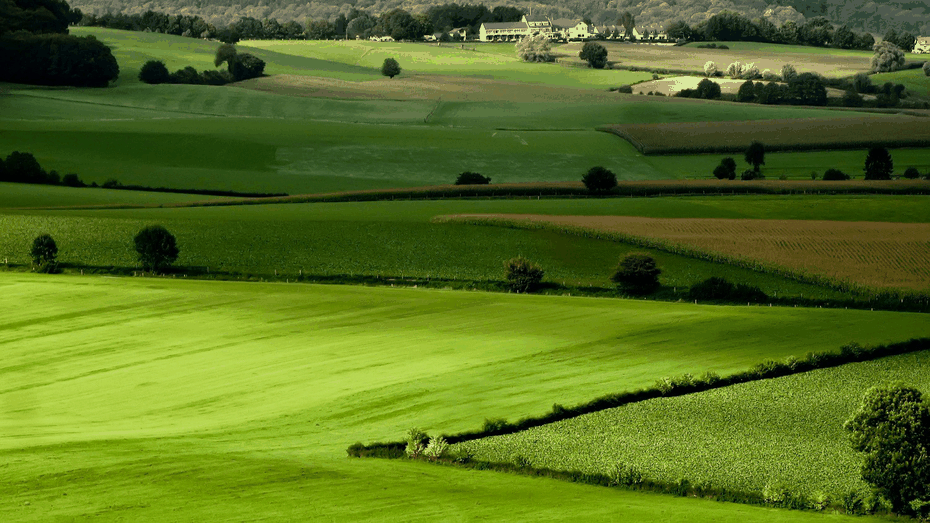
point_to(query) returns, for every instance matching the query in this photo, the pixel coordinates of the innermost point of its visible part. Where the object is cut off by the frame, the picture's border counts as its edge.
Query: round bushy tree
(710, 69)
(157, 248)
(755, 155)
(599, 179)
(878, 164)
(747, 92)
(726, 170)
(637, 273)
(708, 89)
(892, 429)
(807, 89)
(522, 274)
(247, 66)
(911, 173)
(390, 68)
(470, 178)
(888, 57)
(835, 175)
(788, 73)
(44, 251)
(595, 54)
(154, 72)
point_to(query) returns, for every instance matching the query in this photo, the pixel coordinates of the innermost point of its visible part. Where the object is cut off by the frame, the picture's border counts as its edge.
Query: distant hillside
(875, 16)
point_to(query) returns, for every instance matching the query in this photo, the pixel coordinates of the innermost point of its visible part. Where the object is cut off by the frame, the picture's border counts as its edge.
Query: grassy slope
(243, 408)
(397, 238)
(184, 138)
(25, 195)
(785, 430)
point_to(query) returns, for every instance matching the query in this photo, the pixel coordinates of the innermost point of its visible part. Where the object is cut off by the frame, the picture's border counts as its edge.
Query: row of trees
(636, 273)
(878, 166)
(19, 167)
(36, 49)
(730, 26)
(155, 247)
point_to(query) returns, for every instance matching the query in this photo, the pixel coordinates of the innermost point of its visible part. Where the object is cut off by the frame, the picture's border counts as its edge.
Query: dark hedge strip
(206, 192)
(56, 59)
(667, 387)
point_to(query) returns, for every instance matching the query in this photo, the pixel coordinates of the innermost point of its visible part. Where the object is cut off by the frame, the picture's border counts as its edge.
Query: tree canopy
(157, 248)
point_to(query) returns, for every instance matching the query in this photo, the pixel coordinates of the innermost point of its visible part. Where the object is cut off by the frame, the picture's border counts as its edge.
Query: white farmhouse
(922, 45)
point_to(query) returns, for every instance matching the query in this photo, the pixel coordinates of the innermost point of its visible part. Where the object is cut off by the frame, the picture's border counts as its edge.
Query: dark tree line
(36, 49)
(24, 168)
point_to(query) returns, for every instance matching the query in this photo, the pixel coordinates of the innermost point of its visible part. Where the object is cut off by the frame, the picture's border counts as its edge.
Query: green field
(26, 195)
(398, 239)
(243, 408)
(784, 431)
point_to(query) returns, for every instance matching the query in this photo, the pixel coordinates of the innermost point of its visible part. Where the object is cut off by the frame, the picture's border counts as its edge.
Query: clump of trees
(637, 273)
(732, 27)
(472, 178)
(710, 69)
(887, 57)
(241, 66)
(706, 89)
(534, 48)
(522, 275)
(716, 288)
(892, 429)
(22, 167)
(595, 54)
(878, 164)
(599, 179)
(835, 175)
(155, 72)
(390, 68)
(44, 253)
(726, 170)
(157, 248)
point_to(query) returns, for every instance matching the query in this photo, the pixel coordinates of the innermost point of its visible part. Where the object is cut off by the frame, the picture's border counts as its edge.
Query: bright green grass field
(913, 79)
(398, 239)
(146, 399)
(785, 431)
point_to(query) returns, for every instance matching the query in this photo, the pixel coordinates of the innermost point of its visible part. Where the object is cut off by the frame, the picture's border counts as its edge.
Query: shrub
(708, 89)
(154, 72)
(44, 251)
(595, 54)
(769, 76)
(436, 449)
(637, 273)
(926, 68)
(156, 247)
(710, 69)
(55, 59)
(522, 274)
(807, 89)
(750, 174)
(750, 72)
(911, 173)
(534, 49)
(72, 180)
(247, 66)
(852, 99)
(835, 174)
(788, 73)
(712, 288)
(628, 89)
(862, 83)
(494, 425)
(188, 76)
(726, 170)
(470, 178)
(599, 179)
(723, 46)
(747, 92)
(416, 443)
(888, 57)
(734, 70)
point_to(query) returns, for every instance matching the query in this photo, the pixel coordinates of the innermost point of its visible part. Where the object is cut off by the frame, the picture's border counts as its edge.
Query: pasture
(871, 255)
(777, 432)
(243, 408)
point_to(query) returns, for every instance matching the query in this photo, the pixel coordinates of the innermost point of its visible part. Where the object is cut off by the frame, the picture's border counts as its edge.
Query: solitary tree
(747, 92)
(892, 428)
(157, 248)
(595, 54)
(878, 164)
(835, 175)
(887, 57)
(911, 173)
(390, 67)
(522, 274)
(599, 179)
(470, 178)
(755, 155)
(44, 251)
(154, 72)
(637, 273)
(726, 170)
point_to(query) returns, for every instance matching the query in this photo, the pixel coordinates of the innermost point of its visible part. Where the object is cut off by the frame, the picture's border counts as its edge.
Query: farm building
(922, 45)
(506, 31)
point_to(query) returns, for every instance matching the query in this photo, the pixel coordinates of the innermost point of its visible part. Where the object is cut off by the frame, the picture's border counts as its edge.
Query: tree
(926, 68)
(522, 274)
(390, 67)
(707, 89)
(44, 251)
(911, 173)
(599, 179)
(320, 30)
(157, 248)
(534, 48)
(470, 178)
(878, 164)
(788, 73)
(247, 66)
(225, 53)
(637, 273)
(747, 92)
(628, 21)
(862, 83)
(710, 69)
(595, 54)
(755, 155)
(22, 168)
(679, 30)
(835, 174)
(726, 170)
(154, 72)
(887, 57)
(807, 89)
(892, 429)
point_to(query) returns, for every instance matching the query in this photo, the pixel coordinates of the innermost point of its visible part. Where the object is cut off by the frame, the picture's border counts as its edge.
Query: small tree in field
(755, 155)
(157, 248)
(599, 179)
(595, 54)
(892, 429)
(522, 274)
(911, 173)
(637, 273)
(878, 164)
(835, 175)
(710, 69)
(44, 251)
(726, 170)
(470, 178)
(154, 72)
(747, 92)
(390, 67)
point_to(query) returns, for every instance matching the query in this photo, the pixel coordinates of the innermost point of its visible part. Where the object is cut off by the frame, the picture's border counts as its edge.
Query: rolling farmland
(874, 255)
(785, 431)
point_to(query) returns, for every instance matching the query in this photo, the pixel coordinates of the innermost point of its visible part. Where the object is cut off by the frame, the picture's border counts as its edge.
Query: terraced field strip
(869, 254)
(777, 135)
(786, 431)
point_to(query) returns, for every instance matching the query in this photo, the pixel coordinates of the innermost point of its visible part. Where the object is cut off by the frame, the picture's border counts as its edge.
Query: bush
(710, 69)
(185, 76)
(750, 72)
(750, 174)
(707, 89)
(726, 170)
(747, 92)
(926, 68)
(788, 73)
(769, 76)
(470, 178)
(416, 443)
(807, 89)
(835, 174)
(862, 83)
(154, 72)
(595, 54)
(72, 180)
(44, 251)
(852, 99)
(156, 247)
(436, 448)
(911, 173)
(637, 273)
(534, 49)
(628, 89)
(247, 66)
(887, 58)
(599, 179)
(522, 274)
(390, 68)
(735, 70)
(715, 288)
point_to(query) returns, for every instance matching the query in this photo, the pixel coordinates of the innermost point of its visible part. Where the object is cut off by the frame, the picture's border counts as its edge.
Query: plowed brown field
(870, 254)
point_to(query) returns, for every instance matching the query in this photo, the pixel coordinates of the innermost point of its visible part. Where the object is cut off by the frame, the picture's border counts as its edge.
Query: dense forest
(875, 16)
